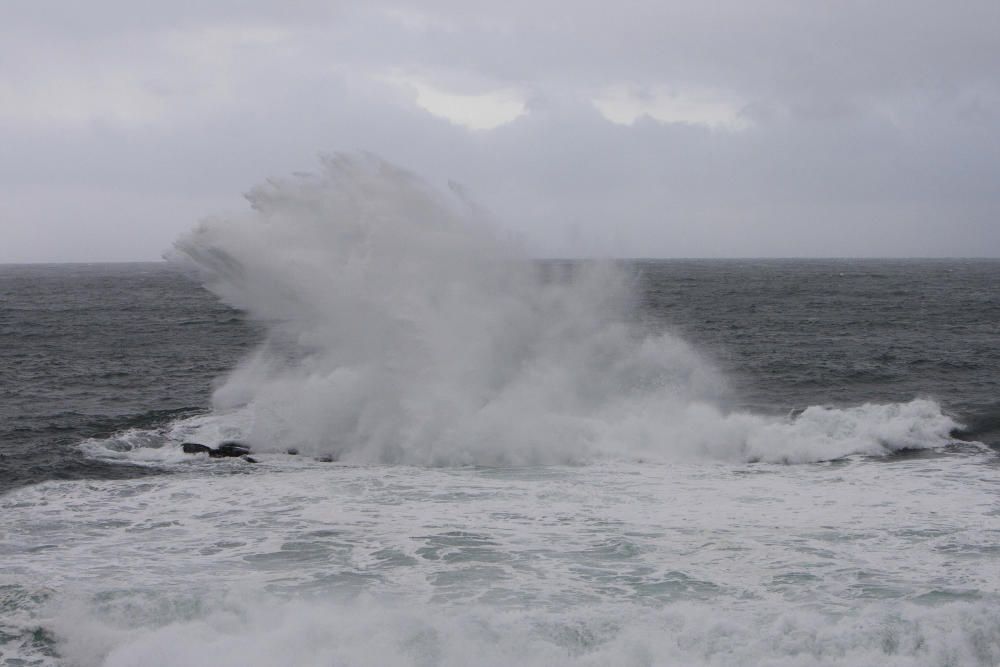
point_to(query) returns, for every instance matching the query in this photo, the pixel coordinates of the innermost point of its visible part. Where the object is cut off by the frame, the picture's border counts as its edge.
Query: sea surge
(402, 327)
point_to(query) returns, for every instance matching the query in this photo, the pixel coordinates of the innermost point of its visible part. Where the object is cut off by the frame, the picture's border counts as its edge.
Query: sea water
(499, 460)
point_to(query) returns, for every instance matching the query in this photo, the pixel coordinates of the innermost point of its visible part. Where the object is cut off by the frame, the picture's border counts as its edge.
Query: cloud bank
(647, 129)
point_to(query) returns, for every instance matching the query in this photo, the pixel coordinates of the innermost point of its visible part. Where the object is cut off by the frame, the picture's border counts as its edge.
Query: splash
(402, 328)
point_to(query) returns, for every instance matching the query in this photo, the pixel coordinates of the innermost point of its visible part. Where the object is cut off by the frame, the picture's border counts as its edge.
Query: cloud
(675, 129)
(475, 111)
(625, 104)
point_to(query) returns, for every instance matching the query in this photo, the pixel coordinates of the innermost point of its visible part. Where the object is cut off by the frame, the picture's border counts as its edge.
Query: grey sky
(649, 128)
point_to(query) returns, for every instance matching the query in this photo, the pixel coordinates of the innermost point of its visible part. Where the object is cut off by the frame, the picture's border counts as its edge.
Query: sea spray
(402, 328)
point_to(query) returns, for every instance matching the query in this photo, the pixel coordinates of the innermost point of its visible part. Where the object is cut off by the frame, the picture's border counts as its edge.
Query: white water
(852, 563)
(402, 330)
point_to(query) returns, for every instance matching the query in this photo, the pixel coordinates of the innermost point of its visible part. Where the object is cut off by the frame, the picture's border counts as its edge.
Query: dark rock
(229, 449)
(196, 448)
(249, 459)
(292, 451)
(325, 459)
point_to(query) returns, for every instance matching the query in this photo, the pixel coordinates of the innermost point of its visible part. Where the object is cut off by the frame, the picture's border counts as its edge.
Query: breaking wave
(403, 328)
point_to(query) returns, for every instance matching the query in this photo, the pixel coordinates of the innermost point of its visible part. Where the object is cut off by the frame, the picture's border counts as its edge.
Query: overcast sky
(630, 128)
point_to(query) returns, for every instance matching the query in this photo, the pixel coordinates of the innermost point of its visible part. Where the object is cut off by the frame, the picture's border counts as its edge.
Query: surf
(404, 327)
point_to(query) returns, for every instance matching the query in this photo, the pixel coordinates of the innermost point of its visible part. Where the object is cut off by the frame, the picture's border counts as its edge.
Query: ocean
(461, 456)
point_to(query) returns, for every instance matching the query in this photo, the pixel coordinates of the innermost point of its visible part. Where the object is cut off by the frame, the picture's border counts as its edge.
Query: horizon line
(594, 258)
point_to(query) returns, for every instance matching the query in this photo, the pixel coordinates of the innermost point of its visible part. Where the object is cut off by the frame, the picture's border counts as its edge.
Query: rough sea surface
(117, 549)
(465, 456)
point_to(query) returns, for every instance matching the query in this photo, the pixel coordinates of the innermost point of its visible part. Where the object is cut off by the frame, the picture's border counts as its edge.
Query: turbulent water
(500, 460)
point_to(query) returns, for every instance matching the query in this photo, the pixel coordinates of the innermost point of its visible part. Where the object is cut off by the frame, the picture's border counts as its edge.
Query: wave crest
(401, 328)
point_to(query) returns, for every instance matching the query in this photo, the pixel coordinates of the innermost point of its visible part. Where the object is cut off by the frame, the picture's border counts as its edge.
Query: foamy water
(295, 562)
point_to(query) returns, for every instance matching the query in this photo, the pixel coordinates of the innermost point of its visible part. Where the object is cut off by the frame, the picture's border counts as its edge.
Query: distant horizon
(613, 259)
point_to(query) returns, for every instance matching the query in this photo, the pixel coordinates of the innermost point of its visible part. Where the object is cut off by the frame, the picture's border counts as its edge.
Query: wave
(982, 426)
(402, 328)
(243, 631)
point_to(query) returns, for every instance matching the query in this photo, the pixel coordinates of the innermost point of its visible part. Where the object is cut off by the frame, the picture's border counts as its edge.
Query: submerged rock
(196, 448)
(224, 450)
(228, 449)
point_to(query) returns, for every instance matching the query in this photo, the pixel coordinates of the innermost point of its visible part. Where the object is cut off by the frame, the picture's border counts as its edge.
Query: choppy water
(500, 461)
(180, 561)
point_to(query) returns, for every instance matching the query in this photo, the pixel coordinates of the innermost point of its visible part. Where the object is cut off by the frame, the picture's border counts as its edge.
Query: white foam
(262, 633)
(854, 562)
(402, 330)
